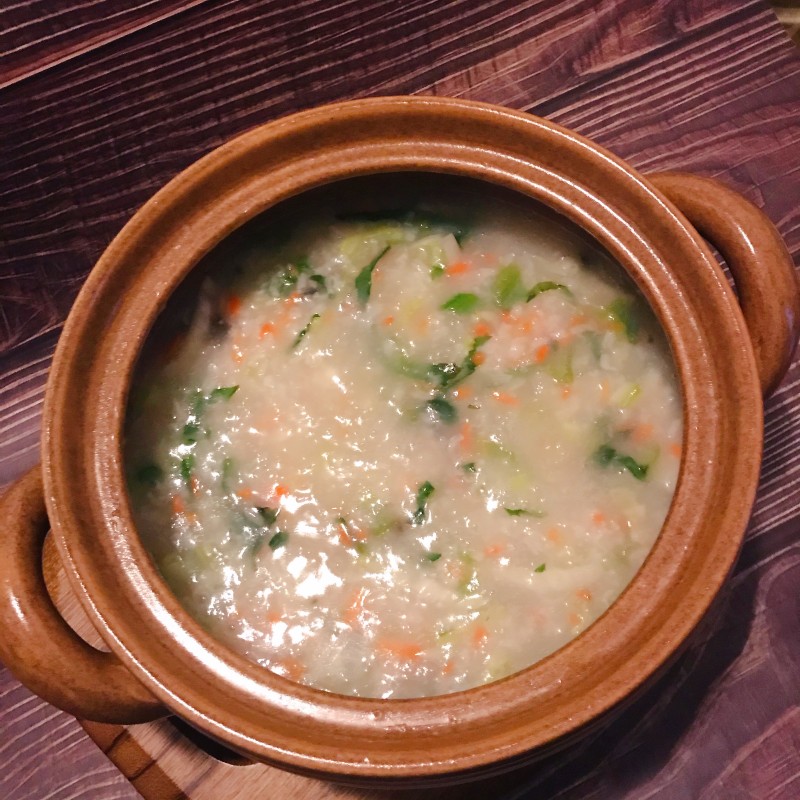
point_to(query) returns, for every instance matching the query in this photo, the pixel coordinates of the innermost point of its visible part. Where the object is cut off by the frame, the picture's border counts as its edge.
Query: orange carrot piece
(233, 305)
(462, 393)
(245, 493)
(508, 317)
(459, 268)
(675, 449)
(194, 484)
(447, 669)
(554, 535)
(178, 506)
(482, 329)
(494, 550)
(575, 620)
(388, 320)
(356, 607)
(236, 354)
(643, 432)
(280, 490)
(266, 329)
(598, 517)
(274, 616)
(566, 391)
(506, 398)
(578, 319)
(584, 594)
(401, 649)
(478, 358)
(467, 440)
(542, 351)
(480, 633)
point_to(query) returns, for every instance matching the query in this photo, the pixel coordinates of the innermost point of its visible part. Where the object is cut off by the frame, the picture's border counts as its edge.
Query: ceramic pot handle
(36, 643)
(758, 260)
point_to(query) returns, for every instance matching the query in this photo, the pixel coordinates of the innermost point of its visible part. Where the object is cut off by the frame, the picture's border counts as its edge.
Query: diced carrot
(541, 353)
(236, 354)
(194, 484)
(356, 607)
(233, 305)
(554, 535)
(675, 449)
(462, 393)
(388, 320)
(480, 633)
(266, 329)
(280, 490)
(245, 493)
(274, 616)
(294, 297)
(598, 517)
(584, 594)
(178, 506)
(421, 323)
(482, 329)
(508, 317)
(401, 649)
(526, 326)
(578, 319)
(575, 620)
(506, 398)
(459, 268)
(494, 550)
(478, 358)
(643, 432)
(566, 391)
(349, 534)
(447, 669)
(467, 439)
(289, 668)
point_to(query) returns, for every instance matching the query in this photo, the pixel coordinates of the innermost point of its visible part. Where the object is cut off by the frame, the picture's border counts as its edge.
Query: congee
(397, 455)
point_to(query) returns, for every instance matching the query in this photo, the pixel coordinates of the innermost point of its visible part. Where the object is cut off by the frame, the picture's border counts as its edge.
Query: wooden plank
(94, 125)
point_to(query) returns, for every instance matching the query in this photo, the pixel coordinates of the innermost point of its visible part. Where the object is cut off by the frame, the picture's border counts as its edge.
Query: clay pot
(161, 661)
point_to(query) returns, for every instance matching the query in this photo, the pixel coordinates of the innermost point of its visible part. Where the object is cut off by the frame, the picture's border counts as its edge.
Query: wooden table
(102, 103)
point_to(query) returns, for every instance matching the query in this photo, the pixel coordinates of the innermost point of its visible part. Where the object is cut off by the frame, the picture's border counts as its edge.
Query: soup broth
(400, 455)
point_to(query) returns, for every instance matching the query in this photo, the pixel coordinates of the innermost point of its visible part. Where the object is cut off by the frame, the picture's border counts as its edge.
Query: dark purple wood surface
(102, 102)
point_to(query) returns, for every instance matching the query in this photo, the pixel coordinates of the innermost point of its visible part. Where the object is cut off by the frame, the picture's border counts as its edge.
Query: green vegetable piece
(223, 393)
(443, 409)
(149, 474)
(545, 286)
(364, 278)
(320, 281)
(301, 335)
(559, 363)
(461, 303)
(187, 467)
(518, 512)
(444, 373)
(437, 270)
(606, 455)
(433, 556)
(469, 466)
(623, 310)
(507, 286)
(278, 540)
(595, 345)
(423, 493)
(269, 515)
(541, 568)
(190, 433)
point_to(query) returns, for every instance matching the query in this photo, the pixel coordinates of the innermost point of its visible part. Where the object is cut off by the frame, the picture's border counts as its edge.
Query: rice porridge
(400, 456)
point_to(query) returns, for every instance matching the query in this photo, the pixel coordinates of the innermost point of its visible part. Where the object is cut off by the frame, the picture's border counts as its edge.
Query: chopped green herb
(606, 455)
(437, 270)
(269, 515)
(461, 303)
(559, 362)
(278, 540)
(222, 393)
(541, 568)
(423, 493)
(469, 466)
(364, 278)
(518, 512)
(623, 311)
(187, 466)
(149, 474)
(301, 335)
(286, 281)
(190, 433)
(544, 286)
(443, 409)
(507, 286)
(444, 373)
(433, 556)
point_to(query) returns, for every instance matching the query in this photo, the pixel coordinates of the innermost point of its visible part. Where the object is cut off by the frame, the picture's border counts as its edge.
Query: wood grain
(104, 102)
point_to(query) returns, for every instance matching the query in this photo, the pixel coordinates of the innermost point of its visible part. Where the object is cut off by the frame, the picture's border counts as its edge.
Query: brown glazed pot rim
(353, 739)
